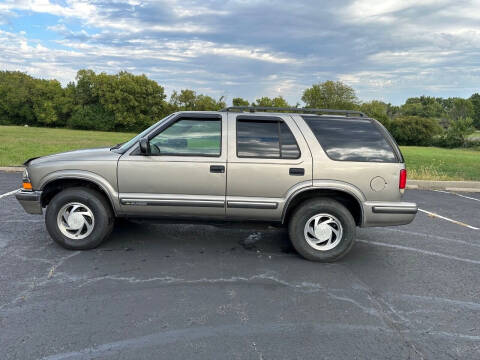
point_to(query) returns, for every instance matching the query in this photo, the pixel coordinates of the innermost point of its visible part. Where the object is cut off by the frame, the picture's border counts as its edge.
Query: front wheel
(79, 218)
(322, 230)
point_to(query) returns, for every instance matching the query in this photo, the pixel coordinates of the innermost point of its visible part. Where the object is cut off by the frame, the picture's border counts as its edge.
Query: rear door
(185, 175)
(268, 159)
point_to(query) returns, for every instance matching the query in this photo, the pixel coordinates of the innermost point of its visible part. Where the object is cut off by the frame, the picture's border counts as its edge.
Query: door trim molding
(172, 202)
(233, 204)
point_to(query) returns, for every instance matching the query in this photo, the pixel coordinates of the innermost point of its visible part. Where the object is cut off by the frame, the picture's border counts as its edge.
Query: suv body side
(250, 188)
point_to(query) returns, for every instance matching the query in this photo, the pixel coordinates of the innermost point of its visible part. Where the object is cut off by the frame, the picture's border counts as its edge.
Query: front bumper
(382, 213)
(30, 201)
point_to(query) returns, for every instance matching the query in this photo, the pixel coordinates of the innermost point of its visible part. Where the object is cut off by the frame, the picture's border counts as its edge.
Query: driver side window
(189, 137)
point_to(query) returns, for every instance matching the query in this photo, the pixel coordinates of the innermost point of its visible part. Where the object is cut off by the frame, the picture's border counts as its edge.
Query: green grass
(430, 163)
(19, 143)
(475, 135)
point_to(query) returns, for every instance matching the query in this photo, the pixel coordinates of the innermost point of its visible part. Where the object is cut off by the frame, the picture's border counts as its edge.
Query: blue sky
(387, 50)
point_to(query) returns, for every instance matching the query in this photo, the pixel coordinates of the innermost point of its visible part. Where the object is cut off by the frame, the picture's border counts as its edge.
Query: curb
(455, 186)
(12, 168)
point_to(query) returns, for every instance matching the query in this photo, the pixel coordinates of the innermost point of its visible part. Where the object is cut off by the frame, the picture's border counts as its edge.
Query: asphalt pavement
(169, 291)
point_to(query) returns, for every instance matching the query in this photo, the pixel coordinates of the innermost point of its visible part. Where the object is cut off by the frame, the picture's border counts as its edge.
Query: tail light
(403, 179)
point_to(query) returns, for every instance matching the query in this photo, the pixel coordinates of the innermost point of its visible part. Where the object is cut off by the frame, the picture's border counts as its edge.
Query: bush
(91, 117)
(456, 134)
(414, 130)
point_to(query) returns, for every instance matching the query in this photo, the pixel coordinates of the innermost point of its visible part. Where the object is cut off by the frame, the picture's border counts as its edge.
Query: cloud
(388, 50)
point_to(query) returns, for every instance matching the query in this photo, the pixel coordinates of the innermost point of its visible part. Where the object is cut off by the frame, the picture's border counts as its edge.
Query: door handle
(296, 171)
(219, 169)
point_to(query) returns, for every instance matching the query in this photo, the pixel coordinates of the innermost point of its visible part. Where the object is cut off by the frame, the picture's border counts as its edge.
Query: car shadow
(231, 237)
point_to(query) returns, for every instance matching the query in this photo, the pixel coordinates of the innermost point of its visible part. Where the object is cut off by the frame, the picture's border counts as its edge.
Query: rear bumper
(380, 213)
(30, 201)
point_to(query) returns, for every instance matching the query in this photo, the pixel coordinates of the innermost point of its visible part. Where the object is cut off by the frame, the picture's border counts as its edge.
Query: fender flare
(98, 180)
(341, 186)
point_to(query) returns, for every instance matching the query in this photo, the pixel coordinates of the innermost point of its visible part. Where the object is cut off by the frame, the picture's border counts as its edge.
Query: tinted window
(351, 140)
(265, 139)
(288, 144)
(189, 137)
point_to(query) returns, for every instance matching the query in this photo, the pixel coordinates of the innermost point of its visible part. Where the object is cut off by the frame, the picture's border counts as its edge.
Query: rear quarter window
(351, 139)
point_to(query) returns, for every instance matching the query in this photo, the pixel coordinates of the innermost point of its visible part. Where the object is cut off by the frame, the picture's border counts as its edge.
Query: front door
(268, 159)
(185, 173)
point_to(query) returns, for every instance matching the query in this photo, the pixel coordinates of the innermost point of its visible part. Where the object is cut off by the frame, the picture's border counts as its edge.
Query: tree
(16, 103)
(460, 109)
(46, 98)
(132, 101)
(278, 101)
(475, 100)
(330, 95)
(188, 100)
(26, 100)
(423, 106)
(85, 92)
(377, 110)
(240, 102)
(183, 101)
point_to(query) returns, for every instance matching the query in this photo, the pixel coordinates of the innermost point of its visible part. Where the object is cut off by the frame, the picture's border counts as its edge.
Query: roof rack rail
(291, 109)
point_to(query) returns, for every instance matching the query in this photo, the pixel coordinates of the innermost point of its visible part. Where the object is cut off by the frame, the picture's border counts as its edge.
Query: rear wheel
(79, 218)
(322, 230)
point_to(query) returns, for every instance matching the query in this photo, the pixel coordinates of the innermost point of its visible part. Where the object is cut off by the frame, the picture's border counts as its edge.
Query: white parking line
(448, 219)
(9, 193)
(426, 252)
(453, 193)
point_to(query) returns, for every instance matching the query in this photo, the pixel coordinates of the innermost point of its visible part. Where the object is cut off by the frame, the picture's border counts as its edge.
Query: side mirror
(144, 146)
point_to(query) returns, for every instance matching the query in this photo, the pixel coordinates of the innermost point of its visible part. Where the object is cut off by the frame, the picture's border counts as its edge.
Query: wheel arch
(53, 183)
(347, 197)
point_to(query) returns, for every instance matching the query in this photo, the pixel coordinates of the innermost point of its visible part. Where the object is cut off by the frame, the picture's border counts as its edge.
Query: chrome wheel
(75, 220)
(323, 232)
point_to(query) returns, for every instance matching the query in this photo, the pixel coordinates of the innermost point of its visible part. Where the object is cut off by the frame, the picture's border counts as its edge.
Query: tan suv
(321, 172)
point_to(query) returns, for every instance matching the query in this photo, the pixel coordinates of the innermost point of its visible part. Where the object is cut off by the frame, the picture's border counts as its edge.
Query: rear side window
(351, 140)
(266, 139)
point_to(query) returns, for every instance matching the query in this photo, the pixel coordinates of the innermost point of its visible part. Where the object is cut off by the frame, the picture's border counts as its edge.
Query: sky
(386, 50)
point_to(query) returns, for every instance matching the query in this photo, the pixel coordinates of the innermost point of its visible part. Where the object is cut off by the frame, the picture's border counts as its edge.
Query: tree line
(128, 102)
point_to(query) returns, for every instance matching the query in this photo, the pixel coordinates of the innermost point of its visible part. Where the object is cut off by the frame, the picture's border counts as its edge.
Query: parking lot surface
(157, 291)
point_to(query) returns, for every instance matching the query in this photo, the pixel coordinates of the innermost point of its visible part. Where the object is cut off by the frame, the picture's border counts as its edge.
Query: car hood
(97, 154)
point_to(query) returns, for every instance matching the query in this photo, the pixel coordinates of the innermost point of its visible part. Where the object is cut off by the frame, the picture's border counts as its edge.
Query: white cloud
(252, 48)
(78, 8)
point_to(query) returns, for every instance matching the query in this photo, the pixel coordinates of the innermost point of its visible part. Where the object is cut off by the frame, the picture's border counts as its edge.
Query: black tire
(96, 203)
(306, 211)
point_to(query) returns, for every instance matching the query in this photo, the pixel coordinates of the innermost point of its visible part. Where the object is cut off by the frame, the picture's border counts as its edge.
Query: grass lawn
(19, 143)
(475, 135)
(430, 163)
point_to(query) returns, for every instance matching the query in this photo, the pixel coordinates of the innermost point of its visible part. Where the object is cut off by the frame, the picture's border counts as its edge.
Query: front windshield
(131, 142)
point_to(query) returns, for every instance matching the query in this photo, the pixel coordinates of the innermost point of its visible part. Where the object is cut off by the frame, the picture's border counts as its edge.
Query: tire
(330, 241)
(90, 218)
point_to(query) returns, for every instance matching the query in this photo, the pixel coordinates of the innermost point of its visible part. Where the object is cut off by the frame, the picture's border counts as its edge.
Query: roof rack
(291, 109)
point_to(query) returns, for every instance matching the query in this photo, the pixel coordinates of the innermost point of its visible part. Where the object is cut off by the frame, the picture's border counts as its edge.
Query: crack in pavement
(39, 282)
(391, 318)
